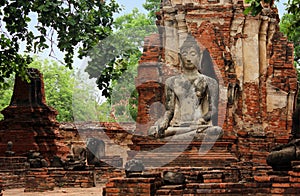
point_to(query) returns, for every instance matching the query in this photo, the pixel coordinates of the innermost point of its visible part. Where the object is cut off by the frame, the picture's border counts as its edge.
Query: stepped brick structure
(253, 64)
(251, 59)
(28, 122)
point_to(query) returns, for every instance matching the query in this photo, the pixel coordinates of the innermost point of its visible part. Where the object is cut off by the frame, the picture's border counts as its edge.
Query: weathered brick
(281, 185)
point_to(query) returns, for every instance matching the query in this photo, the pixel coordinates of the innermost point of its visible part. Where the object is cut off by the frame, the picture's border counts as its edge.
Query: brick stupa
(29, 122)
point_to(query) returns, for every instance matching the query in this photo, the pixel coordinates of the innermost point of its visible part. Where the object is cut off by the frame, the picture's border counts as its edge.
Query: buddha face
(190, 57)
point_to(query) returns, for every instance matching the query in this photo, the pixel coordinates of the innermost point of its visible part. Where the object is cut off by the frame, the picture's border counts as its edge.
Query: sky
(130, 4)
(281, 7)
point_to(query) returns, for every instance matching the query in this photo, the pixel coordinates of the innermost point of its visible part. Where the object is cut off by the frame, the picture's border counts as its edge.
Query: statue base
(183, 153)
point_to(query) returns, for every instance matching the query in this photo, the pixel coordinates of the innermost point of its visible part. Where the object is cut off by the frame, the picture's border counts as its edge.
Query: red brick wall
(248, 116)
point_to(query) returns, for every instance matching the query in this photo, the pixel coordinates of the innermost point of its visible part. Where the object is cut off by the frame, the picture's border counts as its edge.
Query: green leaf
(73, 26)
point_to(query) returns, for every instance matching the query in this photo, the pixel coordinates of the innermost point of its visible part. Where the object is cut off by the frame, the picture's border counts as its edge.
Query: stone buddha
(189, 100)
(9, 152)
(281, 156)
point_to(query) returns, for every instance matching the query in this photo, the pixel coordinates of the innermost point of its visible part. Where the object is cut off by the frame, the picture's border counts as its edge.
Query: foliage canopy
(46, 24)
(118, 61)
(113, 55)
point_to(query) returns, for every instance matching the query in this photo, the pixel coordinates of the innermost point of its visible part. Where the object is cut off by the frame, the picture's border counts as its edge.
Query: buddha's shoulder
(173, 79)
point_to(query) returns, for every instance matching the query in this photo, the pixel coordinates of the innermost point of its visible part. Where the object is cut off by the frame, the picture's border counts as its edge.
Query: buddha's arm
(164, 122)
(207, 106)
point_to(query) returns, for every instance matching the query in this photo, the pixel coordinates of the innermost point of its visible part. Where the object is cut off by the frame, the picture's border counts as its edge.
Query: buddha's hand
(207, 116)
(201, 121)
(153, 131)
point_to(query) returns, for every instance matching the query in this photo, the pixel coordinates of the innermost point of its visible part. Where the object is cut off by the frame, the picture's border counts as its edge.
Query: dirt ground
(56, 192)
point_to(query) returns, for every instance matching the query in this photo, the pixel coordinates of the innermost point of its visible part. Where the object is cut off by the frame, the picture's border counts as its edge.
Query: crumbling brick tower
(251, 59)
(29, 123)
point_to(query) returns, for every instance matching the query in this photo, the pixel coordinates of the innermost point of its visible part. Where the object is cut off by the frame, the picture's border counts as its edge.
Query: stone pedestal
(158, 153)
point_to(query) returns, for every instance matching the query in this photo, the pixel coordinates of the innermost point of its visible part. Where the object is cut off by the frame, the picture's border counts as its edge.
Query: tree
(124, 96)
(108, 60)
(131, 28)
(121, 104)
(293, 8)
(60, 86)
(293, 34)
(86, 98)
(67, 25)
(152, 6)
(5, 94)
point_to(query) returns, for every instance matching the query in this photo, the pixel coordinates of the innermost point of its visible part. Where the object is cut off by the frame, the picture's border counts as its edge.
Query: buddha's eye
(193, 53)
(184, 53)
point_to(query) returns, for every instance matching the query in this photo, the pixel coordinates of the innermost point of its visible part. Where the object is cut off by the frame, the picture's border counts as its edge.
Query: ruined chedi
(29, 123)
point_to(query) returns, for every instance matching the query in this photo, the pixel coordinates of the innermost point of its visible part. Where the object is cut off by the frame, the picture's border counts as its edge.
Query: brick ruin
(253, 63)
(251, 59)
(29, 123)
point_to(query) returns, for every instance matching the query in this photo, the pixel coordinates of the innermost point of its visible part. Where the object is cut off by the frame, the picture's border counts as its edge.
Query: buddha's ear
(180, 60)
(180, 56)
